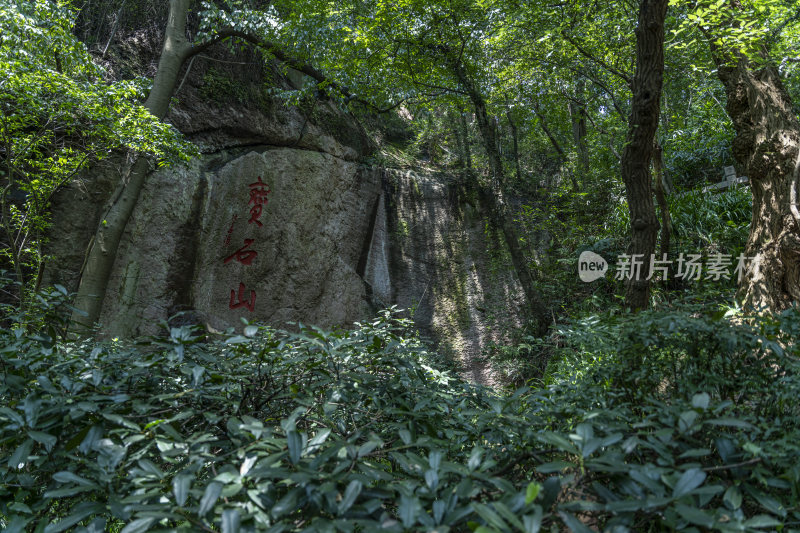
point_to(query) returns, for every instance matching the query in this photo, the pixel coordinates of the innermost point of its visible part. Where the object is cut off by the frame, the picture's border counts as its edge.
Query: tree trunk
(465, 134)
(494, 202)
(577, 112)
(642, 125)
(515, 146)
(661, 200)
(766, 145)
(103, 249)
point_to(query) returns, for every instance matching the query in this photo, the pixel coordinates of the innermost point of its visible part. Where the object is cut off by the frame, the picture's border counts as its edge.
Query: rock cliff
(279, 220)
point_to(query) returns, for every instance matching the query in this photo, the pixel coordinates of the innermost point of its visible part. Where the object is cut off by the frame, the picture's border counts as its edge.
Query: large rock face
(451, 270)
(296, 258)
(295, 167)
(273, 235)
(278, 221)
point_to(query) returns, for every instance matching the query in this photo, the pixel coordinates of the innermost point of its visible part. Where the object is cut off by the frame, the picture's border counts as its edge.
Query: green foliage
(712, 222)
(709, 399)
(696, 132)
(673, 423)
(757, 29)
(562, 226)
(219, 87)
(702, 222)
(317, 430)
(671, 420)
(57, 115)
(695, 164)
(681, 351)
(46, 314)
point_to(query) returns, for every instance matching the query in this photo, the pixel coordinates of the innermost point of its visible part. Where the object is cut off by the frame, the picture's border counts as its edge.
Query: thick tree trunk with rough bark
(103, 249)
(636, 156)
(767, 145)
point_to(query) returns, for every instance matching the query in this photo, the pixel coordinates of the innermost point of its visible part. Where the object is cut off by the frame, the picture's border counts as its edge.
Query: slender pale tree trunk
(103, 249)
(636, 156)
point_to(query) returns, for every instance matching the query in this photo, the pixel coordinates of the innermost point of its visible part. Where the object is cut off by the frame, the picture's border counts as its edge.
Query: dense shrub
(311, 431)
(709, 397)
(711, 223)
(359, 431)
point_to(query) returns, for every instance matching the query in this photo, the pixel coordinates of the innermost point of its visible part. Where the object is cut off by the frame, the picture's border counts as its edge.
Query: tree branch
(609, 92)
(752, 461)
(627, 79)
(549, 134)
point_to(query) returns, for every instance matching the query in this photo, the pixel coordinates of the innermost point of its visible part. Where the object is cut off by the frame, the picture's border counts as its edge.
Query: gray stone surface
(153, 269)
(225, 104)
(306, 251)
(315, 224)
(337, 239)
(450, 271)
(179, 251)
(377, 275)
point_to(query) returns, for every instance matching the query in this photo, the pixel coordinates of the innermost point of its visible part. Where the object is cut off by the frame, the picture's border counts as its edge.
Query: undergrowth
(653, 422)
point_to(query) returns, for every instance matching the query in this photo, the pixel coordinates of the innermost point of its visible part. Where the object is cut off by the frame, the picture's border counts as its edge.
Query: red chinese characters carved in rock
(259, 191)
(259, 195)
(250, 304)
(243, 255)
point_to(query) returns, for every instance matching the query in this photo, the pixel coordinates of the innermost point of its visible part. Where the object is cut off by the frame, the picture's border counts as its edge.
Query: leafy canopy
(57, 115)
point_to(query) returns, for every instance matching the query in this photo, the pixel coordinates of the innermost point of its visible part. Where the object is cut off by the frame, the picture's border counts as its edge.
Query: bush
(711, 222)
(358, 430)
(692, 399)
(316, 431)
